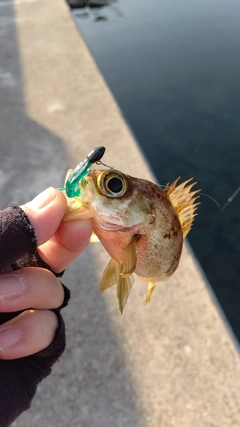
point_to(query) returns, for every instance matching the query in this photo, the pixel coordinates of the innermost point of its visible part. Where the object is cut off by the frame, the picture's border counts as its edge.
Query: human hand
(37, 290)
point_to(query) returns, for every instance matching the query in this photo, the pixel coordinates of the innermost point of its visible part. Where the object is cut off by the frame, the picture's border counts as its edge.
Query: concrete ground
(173, 363)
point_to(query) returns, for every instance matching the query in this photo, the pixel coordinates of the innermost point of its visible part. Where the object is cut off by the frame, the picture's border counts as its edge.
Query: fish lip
(108, 223)
(110, 226)
(113, 226)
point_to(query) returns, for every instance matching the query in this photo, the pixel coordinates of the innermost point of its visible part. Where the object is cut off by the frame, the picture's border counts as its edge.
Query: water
(174, 69)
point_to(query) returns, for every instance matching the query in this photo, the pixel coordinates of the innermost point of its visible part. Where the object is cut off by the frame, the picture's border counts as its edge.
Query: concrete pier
(173, 363)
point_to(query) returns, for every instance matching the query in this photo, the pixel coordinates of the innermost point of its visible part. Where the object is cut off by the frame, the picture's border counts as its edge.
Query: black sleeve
(19, 378)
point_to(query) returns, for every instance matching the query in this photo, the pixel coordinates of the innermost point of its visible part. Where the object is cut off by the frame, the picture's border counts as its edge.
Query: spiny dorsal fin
(184, 202)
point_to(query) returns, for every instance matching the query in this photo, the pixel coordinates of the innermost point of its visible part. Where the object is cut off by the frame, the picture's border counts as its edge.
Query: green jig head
(71, 187)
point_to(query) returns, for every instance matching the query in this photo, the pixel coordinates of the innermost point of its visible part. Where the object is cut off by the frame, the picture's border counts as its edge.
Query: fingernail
(9, 338)
(11, 286)
(43, 199)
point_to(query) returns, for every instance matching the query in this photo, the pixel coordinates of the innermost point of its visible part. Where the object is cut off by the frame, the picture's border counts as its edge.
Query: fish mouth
(109, 224)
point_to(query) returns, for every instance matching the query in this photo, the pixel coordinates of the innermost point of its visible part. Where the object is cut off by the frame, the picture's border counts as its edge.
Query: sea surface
(174, 69)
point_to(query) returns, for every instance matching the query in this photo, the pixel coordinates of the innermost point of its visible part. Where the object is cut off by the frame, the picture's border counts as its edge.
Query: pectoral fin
(120, 273)
(124, 287)
(110, 275)
(127, 267)
(129, 262)
(150, 289)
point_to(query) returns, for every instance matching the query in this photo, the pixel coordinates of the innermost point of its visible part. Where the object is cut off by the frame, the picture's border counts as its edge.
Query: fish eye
(113, 185)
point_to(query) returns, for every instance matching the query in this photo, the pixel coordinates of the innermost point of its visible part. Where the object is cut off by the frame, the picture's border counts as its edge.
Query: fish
(141, 225)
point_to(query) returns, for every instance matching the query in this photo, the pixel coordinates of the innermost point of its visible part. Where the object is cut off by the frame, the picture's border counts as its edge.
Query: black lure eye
(115, 185)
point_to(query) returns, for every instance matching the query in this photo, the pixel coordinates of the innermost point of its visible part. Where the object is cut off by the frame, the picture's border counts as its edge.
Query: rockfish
(141, 226)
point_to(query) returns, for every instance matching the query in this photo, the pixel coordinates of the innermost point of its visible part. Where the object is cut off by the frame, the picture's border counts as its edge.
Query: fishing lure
(72, 183)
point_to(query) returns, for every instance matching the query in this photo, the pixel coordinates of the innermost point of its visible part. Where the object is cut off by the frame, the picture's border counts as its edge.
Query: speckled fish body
(139, 224)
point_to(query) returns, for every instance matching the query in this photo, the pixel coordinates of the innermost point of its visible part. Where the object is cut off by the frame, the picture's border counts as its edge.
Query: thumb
(45, 212)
